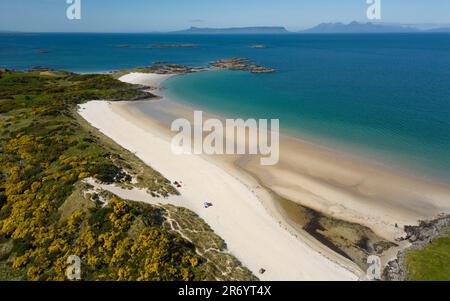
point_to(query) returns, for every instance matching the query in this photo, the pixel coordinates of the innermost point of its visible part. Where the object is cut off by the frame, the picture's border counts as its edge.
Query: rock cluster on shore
(419, 236)
(165, 68)
(242, 64)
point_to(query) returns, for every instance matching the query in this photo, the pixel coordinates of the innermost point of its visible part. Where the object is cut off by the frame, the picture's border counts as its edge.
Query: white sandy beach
(256, 231)
(152, 80)
(237, 215)
(342, 185)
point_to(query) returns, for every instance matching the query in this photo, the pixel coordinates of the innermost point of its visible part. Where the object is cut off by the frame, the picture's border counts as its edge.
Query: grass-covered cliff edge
(428, 257)
(48, 213)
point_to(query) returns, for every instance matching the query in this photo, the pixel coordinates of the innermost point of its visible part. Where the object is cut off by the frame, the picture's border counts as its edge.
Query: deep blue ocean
(384, 95)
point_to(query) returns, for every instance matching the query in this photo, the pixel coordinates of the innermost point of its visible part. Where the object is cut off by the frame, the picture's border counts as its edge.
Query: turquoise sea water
(387, 95)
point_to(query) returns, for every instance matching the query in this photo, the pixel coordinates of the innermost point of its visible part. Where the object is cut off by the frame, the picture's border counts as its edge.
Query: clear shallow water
(386, 95)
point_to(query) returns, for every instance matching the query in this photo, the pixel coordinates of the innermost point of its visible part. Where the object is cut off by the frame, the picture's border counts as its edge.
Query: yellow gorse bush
(43, 154)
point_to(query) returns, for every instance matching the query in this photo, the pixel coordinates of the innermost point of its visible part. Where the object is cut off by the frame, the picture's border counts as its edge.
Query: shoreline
(161, 110)
(251, 234)
(345, 186)
(419, 237)
(229, 164)
(263, 183)
(381, 159)
(332, 182)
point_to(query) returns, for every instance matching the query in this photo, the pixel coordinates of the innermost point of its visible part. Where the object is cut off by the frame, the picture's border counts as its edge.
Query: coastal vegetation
(427, 256)
(46, 214)
(432, 263)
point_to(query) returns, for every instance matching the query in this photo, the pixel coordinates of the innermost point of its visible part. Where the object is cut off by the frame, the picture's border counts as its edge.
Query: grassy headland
(432, 263)
(45, 215)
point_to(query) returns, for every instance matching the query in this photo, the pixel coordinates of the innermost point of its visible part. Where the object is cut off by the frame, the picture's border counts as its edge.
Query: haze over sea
(385, 95)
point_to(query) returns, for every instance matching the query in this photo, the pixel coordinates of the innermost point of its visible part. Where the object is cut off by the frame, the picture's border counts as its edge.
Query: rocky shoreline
(419, 237)
(235, 64)
(241, 64)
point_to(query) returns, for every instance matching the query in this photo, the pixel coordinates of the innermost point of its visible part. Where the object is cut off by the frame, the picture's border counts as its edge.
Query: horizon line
(415, 26)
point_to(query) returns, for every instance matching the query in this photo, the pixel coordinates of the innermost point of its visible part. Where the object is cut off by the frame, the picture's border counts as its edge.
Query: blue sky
(164, 15)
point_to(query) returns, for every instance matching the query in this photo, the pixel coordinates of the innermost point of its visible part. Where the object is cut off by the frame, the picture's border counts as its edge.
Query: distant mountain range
(355, 27)
(235, 30)
(338, 27)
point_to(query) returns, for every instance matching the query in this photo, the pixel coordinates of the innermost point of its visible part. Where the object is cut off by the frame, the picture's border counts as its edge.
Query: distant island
(355, 27)
(336, 27)
(42, 51)
(235, 30)
(174, 45)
